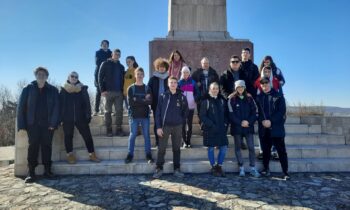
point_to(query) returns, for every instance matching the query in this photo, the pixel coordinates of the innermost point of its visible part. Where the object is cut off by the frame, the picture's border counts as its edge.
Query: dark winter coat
(26, 108)
(75, 104)
(153, 86)
(214, 120)
(100, 56)
(227, 82)
(242, 109)
(171, 109)
(249, 73)
(272, 106)
(199, 77)
(111, 76)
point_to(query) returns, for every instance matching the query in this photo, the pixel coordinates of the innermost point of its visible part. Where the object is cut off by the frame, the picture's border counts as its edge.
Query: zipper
(166, 109)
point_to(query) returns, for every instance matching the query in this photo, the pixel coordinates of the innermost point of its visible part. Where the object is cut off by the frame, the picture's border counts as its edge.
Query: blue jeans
(134, 123)
(221, 155)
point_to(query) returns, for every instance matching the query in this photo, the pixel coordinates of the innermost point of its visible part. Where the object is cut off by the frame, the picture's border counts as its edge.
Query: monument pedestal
(218, 52)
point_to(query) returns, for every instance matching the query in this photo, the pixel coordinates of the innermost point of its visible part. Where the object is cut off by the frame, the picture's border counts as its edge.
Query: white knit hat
(239, 83)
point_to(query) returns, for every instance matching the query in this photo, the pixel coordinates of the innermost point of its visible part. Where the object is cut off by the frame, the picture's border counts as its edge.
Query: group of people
(242, 95)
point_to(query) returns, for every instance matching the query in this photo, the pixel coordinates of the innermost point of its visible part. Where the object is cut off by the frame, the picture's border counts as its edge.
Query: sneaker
(93, 158)
(255, 173)
(274, 156)
(178, 173)
(109, 132)
(31, 177)
(241, 171)
(260, 156)
(158, 173)
(221, 172)
(71, 158)
(149, 158)
(128, 159)
(286, 176)
(265, 172)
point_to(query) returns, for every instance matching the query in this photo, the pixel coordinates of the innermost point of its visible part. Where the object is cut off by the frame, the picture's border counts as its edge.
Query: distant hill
(329, 110)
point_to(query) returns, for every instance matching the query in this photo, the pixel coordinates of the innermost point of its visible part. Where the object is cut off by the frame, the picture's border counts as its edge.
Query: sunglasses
(73, 77)
(235, 61)
(264, 83)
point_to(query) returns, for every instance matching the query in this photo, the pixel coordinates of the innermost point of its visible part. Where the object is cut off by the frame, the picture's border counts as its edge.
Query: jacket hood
(161, 75)
(70, 88)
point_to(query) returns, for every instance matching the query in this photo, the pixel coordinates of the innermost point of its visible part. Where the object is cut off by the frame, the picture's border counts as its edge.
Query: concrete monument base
(218, 52)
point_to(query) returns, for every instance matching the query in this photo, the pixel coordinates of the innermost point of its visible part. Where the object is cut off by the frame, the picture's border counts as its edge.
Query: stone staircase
(309, 150)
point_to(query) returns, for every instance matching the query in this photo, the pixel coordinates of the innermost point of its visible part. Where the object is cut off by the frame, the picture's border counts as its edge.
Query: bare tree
(7, 117)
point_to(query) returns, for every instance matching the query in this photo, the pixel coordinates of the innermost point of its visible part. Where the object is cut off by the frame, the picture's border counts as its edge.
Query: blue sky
(309, 40)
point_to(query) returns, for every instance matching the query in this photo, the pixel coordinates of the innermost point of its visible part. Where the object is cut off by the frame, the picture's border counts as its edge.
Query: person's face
(139, 76)
(162, 69)
(176, 57)
(245, 55)
(267, 62)
(267, 72)
(73, 78)
(186, 74)
(104, 46)
(235, 63)
(116, 55)
(129, 63)
(214, 90)
(172, 84)
(205, 64)
(240, 90)
(41, 77)
(265, 87)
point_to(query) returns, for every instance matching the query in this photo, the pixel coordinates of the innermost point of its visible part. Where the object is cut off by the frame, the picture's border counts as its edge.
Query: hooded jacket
(26, 108)
(75, 103)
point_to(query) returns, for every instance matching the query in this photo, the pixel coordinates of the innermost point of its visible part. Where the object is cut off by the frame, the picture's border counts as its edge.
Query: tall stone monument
(198, 28)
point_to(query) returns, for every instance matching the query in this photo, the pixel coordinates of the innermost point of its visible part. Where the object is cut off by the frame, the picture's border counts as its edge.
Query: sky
(308, 39)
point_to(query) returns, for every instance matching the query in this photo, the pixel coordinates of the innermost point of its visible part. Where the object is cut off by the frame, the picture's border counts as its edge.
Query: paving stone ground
(195, 191)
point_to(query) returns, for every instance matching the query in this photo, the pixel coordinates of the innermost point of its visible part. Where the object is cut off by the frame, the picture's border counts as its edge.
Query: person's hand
(104, 94)
(160, 132)
(199, 84)
(51, 128)
(266, 123)
(148, 97)
(245, 124)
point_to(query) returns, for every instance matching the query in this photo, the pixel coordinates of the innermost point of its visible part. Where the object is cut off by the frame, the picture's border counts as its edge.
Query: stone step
(99, 120)
(290, 129)
(291, 139)
(200, 152)
(190, 166)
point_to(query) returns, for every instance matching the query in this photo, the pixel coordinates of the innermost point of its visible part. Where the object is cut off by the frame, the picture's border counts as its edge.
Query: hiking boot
(149, 158)
(109, 132)
(241, 171)
(119, 132)
(31, 177)
(128, 159)
(48, 173)
(221, 172)
(178, 173)
(93, 158)
(71, 158)
(254, 172)
(265, 172)
(158, 173)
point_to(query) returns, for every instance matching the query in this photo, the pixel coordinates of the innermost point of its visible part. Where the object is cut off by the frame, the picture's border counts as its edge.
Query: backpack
(133, 89)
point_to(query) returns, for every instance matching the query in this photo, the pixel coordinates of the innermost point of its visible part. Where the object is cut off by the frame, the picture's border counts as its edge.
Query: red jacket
(275, 84)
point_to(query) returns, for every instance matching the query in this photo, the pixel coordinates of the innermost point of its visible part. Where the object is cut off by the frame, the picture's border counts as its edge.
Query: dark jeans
(84, 130)
(39, 137)
(187, 128)
(267, 142)
(97, 100)
(154, 127)
(175, 132)
(238, 143)
(114, 99)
